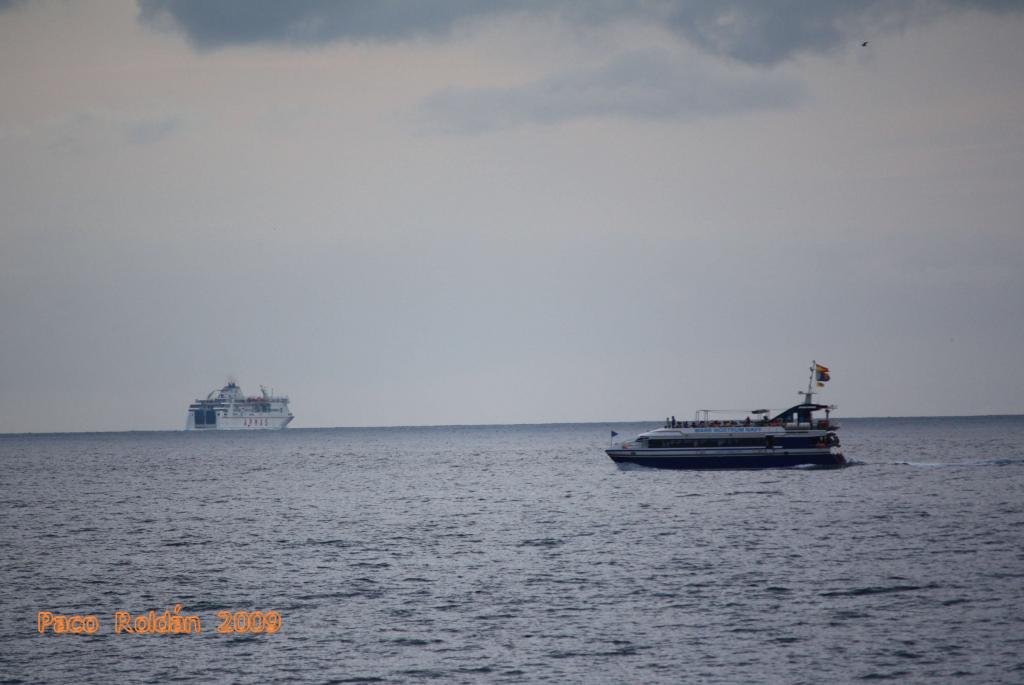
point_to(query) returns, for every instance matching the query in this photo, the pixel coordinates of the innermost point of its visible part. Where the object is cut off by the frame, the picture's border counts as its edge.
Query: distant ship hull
(241, 423)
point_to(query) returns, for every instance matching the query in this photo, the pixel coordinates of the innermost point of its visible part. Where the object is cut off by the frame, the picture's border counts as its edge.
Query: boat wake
(1008, 461)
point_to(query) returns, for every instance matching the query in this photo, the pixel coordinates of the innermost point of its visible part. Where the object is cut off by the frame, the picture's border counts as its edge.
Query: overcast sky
(461, 212)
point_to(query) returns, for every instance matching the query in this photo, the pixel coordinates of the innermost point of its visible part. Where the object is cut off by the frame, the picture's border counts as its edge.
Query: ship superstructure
(229, 409)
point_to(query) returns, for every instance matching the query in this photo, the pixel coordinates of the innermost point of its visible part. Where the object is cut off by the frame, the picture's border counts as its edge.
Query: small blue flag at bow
(614, 434)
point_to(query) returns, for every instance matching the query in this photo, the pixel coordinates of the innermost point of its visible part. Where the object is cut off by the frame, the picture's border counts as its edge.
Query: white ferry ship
(792, 437)
(229, 409)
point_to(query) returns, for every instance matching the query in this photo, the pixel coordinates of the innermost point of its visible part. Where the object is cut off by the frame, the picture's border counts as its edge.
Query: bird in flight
(865, 43)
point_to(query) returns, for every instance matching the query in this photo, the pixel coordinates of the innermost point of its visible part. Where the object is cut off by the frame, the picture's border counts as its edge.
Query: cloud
(89, 131)
(750, 31)
(213, 25)
(86, 132)
(758, 32)
(148, 131)
(645, 85)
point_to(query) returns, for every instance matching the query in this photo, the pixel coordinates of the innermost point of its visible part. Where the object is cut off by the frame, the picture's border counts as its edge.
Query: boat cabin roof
(800, 413)
(719, 428)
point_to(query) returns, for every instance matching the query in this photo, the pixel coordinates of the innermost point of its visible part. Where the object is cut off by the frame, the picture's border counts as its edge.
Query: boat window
(704, 442)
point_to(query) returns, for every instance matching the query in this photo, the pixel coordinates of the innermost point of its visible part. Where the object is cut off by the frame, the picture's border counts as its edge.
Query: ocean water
(516, 554)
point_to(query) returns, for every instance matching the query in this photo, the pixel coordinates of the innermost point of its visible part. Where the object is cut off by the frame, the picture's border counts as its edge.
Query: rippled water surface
(517, 554)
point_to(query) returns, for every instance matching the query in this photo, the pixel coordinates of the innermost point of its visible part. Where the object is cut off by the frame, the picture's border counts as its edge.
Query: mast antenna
(809, 395)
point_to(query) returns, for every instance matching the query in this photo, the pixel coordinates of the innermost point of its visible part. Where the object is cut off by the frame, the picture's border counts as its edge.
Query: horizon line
(464, 425)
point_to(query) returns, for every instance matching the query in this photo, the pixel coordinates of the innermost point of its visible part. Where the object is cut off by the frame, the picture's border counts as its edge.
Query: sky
(455, 212)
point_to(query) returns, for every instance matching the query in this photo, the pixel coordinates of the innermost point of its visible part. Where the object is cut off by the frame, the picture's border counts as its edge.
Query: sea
(511, 554)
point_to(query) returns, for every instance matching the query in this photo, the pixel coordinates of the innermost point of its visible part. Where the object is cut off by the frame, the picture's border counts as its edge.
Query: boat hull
(746, 459)
(241, 423)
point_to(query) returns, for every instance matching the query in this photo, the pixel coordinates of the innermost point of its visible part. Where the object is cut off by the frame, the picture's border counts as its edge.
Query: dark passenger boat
(794, 437)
